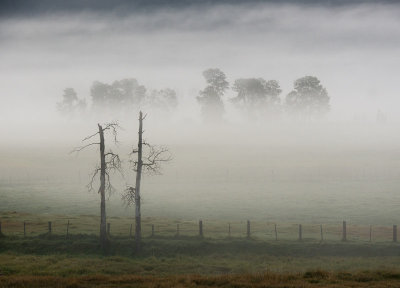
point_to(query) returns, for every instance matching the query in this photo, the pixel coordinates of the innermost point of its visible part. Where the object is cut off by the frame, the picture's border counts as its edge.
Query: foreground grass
(54, 260)
(81, 255)
(316, 278)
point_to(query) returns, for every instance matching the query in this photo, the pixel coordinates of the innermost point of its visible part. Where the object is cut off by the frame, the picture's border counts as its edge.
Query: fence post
(300, 233)
(201, 228)
(248, 228)
(67, 229)
(108, 228)
(229, 229)
(370, 233)
(344, 233)
(276, 234)
(24, 229)
(49, 227)
(394, 233)
(322, 235)
(152, 230)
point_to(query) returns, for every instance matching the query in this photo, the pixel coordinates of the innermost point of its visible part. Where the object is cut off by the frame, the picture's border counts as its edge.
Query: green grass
(81, 255)
(24, 260)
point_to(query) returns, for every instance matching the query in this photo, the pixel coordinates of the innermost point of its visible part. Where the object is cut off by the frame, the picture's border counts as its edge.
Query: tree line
(255, 97)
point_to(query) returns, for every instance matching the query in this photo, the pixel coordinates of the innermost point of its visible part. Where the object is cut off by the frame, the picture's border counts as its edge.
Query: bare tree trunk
(138, 228)
(103, 230)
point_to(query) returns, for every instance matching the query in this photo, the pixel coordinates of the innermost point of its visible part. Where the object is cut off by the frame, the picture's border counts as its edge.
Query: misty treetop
(164, 99)
(70, 102)
(309, 97)
(122, 96)
(210, 98)
(256, 94)
(259, 98)
(122, 93)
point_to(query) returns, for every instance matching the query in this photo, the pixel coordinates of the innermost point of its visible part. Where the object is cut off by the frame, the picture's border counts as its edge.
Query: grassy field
(311, 189)
(308, 279)
(185, 260)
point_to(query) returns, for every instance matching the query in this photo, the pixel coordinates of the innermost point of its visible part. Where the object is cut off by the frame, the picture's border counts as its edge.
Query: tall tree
(119, 95)
(70, 102)
(256, 94)
(164, 99)
(152, 164)
(210, 99)
(109, 161)
(308, 98)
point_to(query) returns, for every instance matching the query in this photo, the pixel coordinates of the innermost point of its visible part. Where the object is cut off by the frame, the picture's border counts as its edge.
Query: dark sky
(34, 7)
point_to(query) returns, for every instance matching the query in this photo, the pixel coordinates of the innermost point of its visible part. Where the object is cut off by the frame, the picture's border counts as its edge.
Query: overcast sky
(353, 47)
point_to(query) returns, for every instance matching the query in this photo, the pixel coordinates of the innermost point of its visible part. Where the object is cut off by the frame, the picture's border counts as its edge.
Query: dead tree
(151, 164)
(109, 162)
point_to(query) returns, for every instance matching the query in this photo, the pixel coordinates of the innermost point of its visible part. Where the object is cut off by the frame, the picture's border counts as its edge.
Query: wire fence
(258, 230)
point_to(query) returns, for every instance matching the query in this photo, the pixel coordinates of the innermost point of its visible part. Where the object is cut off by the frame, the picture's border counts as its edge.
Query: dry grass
(309, 279)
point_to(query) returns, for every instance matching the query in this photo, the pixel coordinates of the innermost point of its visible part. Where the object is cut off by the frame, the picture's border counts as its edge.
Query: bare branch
(80, 148)
(92, 179)
(129, 196)
(155, 157)
(113, 127)
(88, 137)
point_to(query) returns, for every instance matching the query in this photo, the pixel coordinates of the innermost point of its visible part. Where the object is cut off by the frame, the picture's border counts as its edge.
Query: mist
(353, 49)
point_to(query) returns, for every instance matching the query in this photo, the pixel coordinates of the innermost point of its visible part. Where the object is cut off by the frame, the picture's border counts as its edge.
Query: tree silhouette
(308, 98)
(255, 95)
(70, 102)
(210, 99)
(153, 158)
(109, 162)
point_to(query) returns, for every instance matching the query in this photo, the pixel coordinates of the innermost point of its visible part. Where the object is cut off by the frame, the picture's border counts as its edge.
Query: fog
(240, 166)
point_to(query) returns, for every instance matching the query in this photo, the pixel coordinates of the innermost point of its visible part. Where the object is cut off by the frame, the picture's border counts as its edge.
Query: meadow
(310, 188)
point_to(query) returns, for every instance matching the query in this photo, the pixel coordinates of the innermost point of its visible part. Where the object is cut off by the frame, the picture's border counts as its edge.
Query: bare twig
(129, 196)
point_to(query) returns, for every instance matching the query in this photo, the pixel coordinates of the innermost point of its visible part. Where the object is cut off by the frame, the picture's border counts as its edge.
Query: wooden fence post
(322, 235)
(24, 229)
(152, 230)
(49, 227)
(248, 228)
(300, 233)
(67, 229)
(344, 232)
(201, 228)
(394, 233)
(370, 233)
(108, 228)
(276, 233)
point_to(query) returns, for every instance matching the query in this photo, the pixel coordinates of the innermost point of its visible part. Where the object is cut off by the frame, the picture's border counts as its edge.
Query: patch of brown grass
(309, 279)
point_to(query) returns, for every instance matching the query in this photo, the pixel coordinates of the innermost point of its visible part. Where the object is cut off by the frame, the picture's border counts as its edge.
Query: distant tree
(109, 162)
(70, 102)
(309, 97)
(122, 94)
(164, 99)
(210, 99)
(256, 94)
(153, 157)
